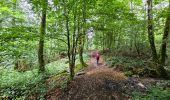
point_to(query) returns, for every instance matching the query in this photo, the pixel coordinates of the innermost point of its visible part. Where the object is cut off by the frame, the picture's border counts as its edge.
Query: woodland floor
(99, 82)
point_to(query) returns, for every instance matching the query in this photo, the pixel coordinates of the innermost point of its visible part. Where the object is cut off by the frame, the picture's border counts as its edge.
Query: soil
(99, 82)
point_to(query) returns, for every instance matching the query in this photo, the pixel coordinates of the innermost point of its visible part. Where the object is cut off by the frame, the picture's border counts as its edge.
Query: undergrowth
(154, 93)
(23, 85)
(143, 68)
(14, 84)
(133, 66)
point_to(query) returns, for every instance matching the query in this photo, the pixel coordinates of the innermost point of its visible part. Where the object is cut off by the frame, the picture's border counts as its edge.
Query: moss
(78, 68)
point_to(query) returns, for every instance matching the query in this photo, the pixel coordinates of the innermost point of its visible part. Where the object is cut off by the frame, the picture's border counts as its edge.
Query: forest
(84, 50)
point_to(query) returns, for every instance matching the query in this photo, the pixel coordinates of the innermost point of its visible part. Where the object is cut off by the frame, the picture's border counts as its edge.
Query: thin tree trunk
(109, 39)
(71, 39)
(119, 39)
(74, 45)
(81, 46)
(79, 38)
(132, 28)
(151, 33)
(165, 37)
(66, 14)
(136, 46)
(41, 41)
(103, 41)
(82, 35)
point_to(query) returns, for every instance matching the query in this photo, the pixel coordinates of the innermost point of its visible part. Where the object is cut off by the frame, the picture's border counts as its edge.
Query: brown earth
(99, 82)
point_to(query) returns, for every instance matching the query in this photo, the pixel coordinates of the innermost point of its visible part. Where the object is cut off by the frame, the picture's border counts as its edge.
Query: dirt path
(98, 83)
(92, 85)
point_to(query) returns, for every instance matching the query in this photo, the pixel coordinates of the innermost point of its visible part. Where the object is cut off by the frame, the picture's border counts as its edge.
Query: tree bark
(165, 37)
(81, 46)
(41, 41)
(71, 38)
(66, 14)
(74, 44)
(151, 33)
(82, 36)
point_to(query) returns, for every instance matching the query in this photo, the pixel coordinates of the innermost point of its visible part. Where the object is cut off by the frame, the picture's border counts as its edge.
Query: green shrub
(14, 84)
(20, 85)
(155, 93)
(128, 73)
(133, 66)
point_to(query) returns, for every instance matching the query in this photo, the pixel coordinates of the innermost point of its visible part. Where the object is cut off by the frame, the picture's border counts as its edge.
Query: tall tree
(82, 36)
(71, 37)
(151, 32)
(165, 37)
(42, 35)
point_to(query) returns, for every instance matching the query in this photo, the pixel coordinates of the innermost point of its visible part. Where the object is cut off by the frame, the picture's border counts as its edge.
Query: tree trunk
(41, 41)
(71, 38)
(82, 37)
(137, 49)
(165, 38)
(74, 44)
(151, 33)
(109, 39)
(103, 41)
(66, 14)
(114, 40)
(81, 47)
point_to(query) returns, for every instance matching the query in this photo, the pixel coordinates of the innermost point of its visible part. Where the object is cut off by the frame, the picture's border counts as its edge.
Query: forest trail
(93, 84)
(98, 83)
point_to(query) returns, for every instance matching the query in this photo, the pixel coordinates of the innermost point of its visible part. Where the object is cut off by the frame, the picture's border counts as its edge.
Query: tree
(83, 33)
(42, 35)
(150, 32)
(165, 37)
(71, 38)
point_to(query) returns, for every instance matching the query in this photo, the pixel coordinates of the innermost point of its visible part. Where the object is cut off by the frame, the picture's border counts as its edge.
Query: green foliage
(57, 66)
(127, 61)
(116, 24)
(14, 84)
(59, 81)
(134, 66)
(129, 73)
(17, 84)
(78, 68)
(155, 93)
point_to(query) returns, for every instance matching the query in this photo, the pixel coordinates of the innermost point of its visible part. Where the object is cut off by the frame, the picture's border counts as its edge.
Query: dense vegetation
(44, 43)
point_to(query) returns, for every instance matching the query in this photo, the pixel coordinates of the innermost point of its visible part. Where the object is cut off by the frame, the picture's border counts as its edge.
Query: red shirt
(97, 56)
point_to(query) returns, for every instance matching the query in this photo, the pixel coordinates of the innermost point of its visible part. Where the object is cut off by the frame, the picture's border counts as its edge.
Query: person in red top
(97, 57)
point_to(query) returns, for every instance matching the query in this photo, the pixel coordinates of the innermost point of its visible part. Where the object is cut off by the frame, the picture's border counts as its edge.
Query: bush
(154, 93)
(133, 66)
(21, 85)
(14, 84)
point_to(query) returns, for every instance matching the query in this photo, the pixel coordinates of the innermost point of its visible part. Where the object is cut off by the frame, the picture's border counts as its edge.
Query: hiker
(97, 57)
